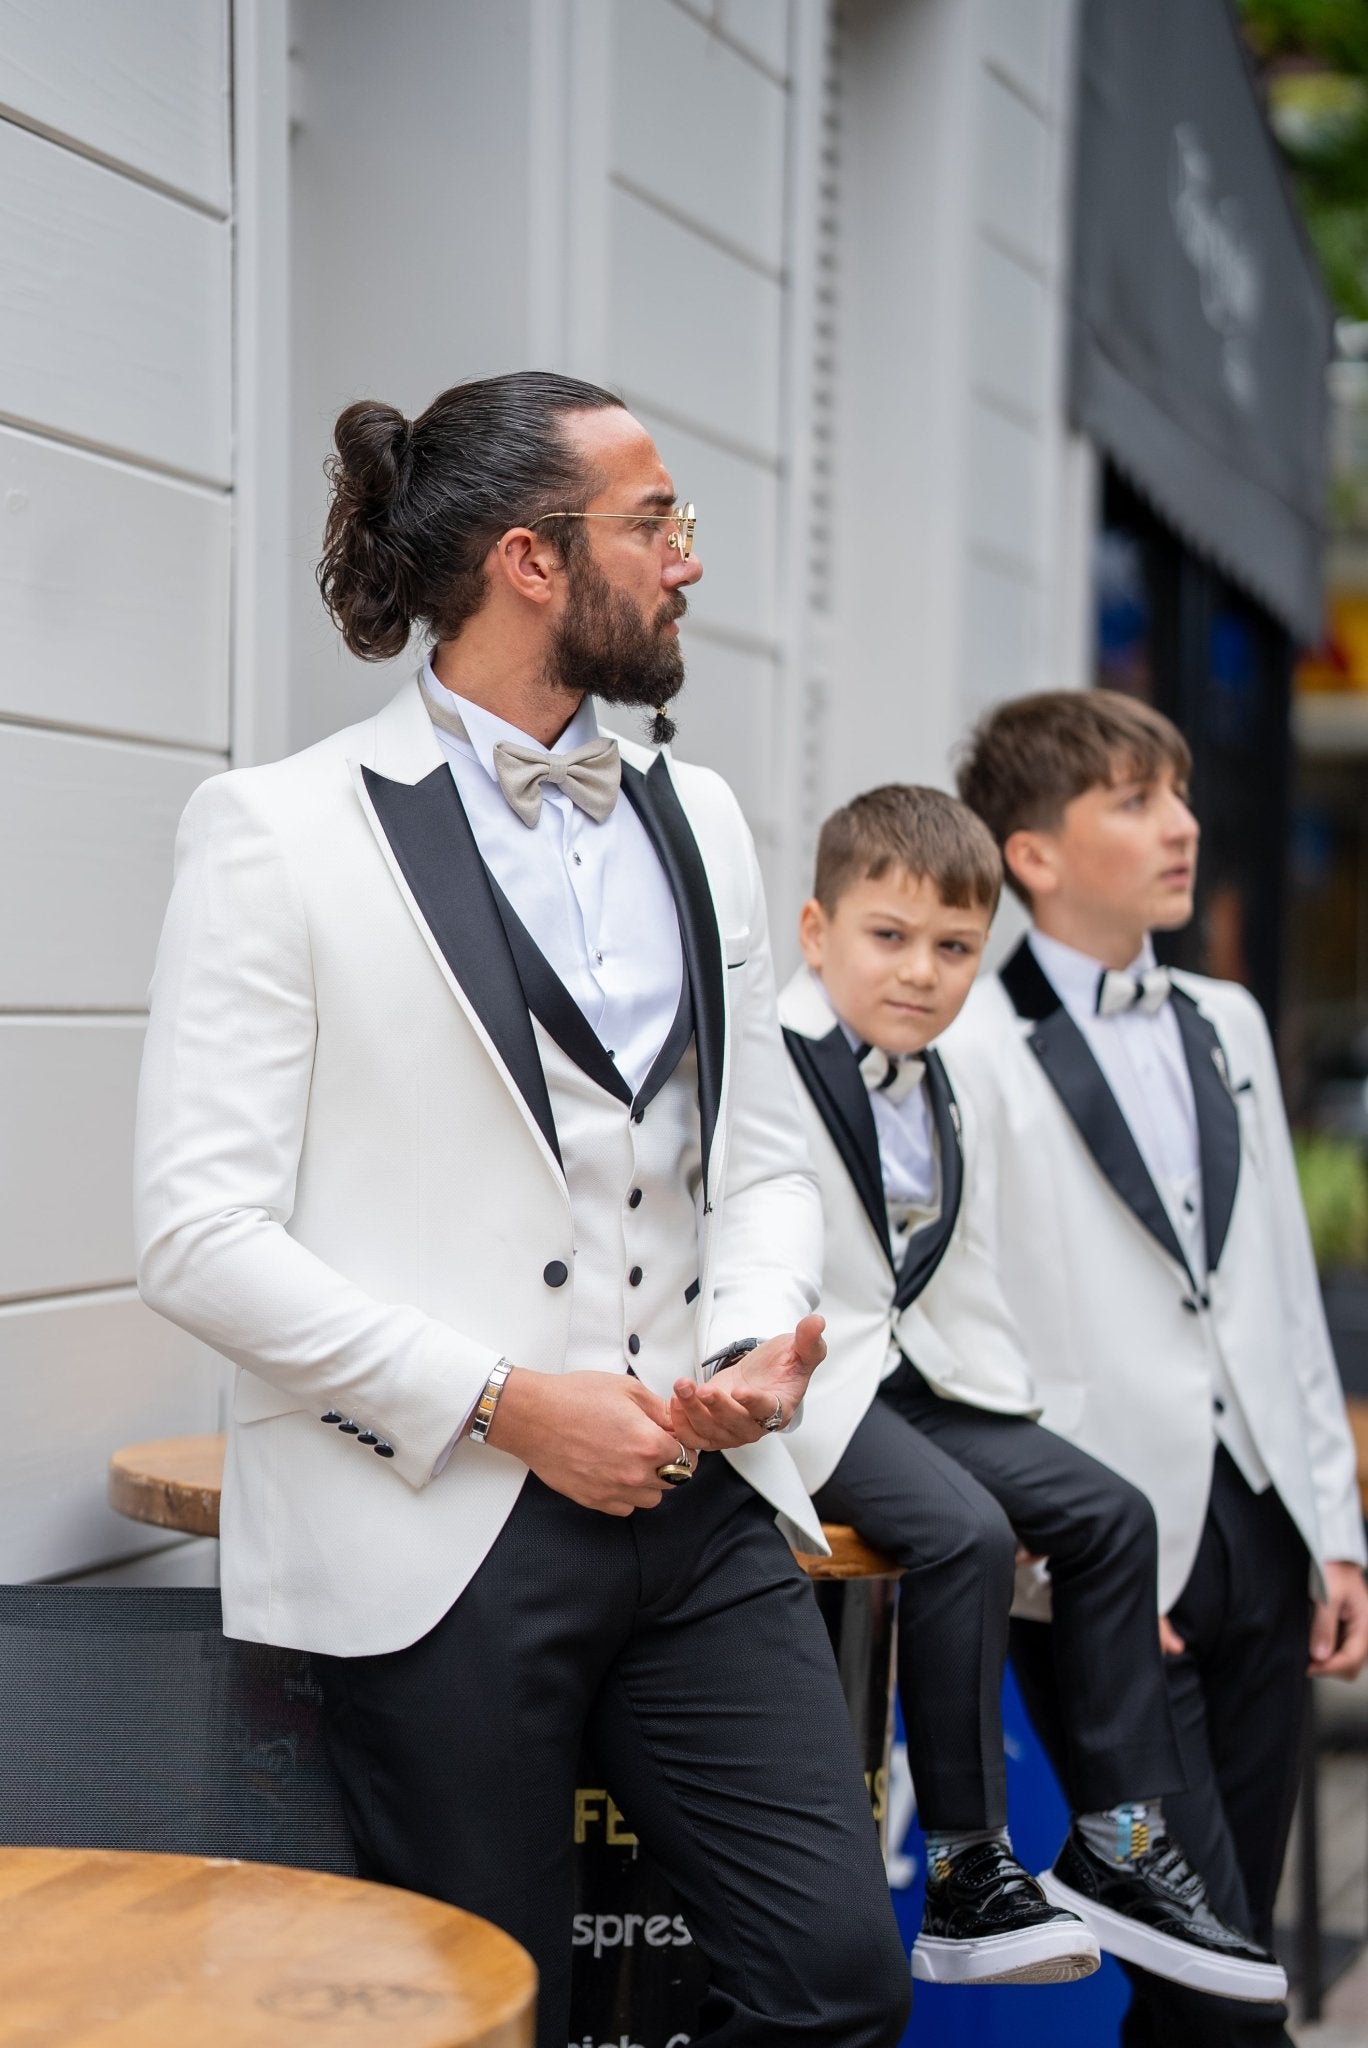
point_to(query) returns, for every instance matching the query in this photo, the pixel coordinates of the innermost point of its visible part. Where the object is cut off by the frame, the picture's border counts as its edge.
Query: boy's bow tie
(893, 1077)
(1118, 992)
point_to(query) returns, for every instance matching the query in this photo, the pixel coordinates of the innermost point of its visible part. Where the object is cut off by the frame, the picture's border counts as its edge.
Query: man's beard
(604, 648)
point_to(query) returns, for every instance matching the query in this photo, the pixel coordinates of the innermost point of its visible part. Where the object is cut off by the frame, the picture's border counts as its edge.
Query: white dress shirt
(1142, 1060)
(593, 895)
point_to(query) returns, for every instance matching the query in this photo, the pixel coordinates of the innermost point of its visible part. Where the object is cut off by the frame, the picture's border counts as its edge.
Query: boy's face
(1122, 861)
(895, 960)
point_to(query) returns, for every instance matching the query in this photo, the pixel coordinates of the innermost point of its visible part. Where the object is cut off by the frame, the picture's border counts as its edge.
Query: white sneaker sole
(1164, 1955)
(1032, 1955)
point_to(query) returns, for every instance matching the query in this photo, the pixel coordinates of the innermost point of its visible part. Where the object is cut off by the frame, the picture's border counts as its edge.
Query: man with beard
(466, 1133)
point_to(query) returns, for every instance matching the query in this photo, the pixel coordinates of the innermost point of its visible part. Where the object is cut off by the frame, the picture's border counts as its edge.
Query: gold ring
(678, 1470)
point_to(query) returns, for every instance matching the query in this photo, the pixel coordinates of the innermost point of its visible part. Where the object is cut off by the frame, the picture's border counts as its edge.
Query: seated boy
(907, 882)
(1133, 1187)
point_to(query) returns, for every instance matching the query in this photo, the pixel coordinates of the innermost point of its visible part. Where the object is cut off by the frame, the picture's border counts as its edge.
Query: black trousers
(1238, 1693)
(685, 1644)
(948, 1490)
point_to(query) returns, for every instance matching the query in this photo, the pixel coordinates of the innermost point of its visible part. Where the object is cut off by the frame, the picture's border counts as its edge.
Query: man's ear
(1029, 856)
(527, 563)
(812, 930)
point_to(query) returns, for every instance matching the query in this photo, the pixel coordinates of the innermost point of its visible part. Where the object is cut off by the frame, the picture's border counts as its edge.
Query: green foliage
(1334, 1187)
(1314, 58)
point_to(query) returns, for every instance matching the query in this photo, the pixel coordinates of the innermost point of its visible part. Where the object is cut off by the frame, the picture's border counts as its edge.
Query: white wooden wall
(964, 503)
(116, 468)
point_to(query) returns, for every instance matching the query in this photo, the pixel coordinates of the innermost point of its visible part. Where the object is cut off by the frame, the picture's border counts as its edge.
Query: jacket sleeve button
(349, 1428)
(384, 1450)
(368, 1436)
(556, 1274)
(331, 1416)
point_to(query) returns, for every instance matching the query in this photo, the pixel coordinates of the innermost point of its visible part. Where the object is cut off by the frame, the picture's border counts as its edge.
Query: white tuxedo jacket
(348, 1180)
(872, 1300)
(1120, 1338)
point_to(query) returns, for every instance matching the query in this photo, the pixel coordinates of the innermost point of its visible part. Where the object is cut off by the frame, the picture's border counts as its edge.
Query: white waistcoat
(607, 1156)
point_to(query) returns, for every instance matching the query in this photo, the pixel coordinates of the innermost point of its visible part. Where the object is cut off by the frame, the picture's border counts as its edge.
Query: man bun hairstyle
(417, 504)
(922, 831)
(1026, 760)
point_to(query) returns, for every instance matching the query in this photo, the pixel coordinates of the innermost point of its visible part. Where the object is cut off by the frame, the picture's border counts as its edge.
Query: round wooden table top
(127, 1950)
(175, 1482)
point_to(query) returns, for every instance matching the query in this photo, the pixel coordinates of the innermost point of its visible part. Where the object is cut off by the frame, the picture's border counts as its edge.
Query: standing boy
(1137, 1198)
(907, 881)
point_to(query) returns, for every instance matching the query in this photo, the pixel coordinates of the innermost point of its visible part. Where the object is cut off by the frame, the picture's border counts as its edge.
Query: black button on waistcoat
(634, 1277)
(634, 1199)
(634, 1343)
(556, 1274)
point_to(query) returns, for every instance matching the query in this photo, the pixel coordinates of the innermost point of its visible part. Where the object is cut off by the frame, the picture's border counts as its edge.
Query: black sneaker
(1154, 1911)
(987, 1921)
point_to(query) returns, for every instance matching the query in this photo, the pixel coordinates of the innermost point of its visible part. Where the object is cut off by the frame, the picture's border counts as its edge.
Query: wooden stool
(136, 1951)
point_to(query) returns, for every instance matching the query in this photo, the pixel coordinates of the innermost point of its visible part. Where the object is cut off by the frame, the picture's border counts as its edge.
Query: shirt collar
(485, 728)
(1075, 975)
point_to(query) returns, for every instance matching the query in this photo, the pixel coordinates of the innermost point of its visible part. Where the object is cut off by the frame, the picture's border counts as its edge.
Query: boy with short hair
(907, 882)
(1135, 1193)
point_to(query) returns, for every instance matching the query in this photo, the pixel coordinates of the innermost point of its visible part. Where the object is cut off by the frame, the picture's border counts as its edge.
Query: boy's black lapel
(429, 833)
(828, 1070)
(927, 1247)
(1081, 1085)
(656, 802)
(1218, 1121)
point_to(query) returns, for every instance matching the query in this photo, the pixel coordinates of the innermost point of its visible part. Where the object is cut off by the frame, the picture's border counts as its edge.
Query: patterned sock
(1121, 1833)
(942, 1846)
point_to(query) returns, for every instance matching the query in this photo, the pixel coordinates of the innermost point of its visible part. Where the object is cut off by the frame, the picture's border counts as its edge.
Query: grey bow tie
(893, 1078)
(1147, 991)
(591, 775)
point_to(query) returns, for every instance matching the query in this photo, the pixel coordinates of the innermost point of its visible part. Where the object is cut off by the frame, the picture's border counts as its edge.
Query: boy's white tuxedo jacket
(347, 1179)
(1116, 1333)
(870, 1304)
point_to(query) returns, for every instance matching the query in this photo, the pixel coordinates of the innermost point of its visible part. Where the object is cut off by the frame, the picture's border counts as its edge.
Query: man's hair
(417, 504)
(923, 831)
(1027, 759)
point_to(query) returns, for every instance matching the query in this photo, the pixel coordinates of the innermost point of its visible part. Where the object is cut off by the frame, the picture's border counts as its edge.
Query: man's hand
(597, 1437)
(1339, 1627)
(1170, 1642)
(735, 1404)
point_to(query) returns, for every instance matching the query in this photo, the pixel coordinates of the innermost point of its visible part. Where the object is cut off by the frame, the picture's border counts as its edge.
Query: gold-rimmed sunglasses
(682, 519)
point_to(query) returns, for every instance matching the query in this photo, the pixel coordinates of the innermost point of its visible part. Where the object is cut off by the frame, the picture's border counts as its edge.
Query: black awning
(1200, 326)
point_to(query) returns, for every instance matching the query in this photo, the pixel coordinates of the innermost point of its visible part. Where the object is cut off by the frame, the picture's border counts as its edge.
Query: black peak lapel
(1032, 992)
(1218, 1121)
(429, 833)
(927, 1247)
(656, 802)
(551, 1002)
(829, 1071)
(1082, 1087)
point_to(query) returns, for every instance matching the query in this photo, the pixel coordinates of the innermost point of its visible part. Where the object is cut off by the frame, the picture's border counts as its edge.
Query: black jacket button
(384, 1450)
(368, 1436)
(634, 1277)
(349, 1428)
(1219, 1405)
(634, 1344)
(556, 1274)
(634, 1199)
(331, 1416)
